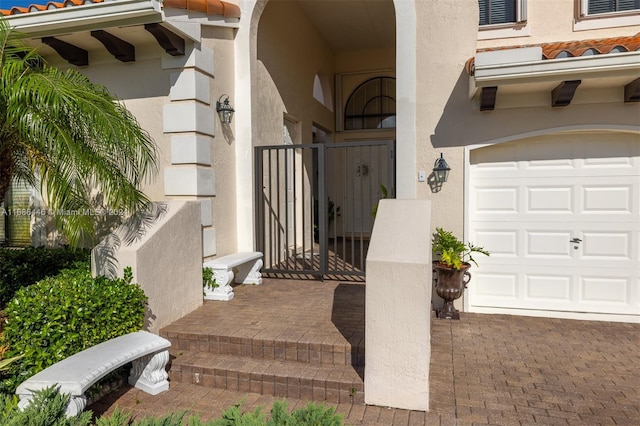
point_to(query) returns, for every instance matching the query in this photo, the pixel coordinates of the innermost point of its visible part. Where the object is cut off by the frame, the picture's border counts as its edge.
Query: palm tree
(70, 136)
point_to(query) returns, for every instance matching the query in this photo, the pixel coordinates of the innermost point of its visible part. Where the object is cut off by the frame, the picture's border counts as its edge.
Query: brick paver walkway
(485, 369)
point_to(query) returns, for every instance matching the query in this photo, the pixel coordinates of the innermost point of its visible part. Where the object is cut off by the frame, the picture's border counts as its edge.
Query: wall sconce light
(225, 111)
(441, 170)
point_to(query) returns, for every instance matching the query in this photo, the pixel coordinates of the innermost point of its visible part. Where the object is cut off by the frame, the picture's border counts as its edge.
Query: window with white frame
(598, 7)
(500, 12)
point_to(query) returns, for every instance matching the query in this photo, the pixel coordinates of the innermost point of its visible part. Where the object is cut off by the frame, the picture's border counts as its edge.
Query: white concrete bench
(248, 265)
(75, 374)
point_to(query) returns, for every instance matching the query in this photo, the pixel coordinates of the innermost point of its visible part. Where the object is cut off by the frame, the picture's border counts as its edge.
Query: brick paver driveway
(499, 369)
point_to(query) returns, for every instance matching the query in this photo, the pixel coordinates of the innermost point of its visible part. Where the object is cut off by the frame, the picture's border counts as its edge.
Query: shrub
(20, 268)
(59, 316)
(48, 409)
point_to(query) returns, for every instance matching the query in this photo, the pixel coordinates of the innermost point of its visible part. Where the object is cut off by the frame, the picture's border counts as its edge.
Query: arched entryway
(290, 45)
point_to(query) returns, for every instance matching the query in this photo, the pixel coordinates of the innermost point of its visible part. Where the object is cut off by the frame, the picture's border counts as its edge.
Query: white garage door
(561, 218)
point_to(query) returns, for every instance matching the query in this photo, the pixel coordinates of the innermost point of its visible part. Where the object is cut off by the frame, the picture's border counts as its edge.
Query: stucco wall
(290, 53)
(446, 38)
(223, 157)
(398, 328)
(165, 256)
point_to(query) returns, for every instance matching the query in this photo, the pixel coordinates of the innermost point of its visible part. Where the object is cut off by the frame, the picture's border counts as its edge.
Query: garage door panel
(556, 290)
(550, 199)
(496, 200)
(548, 287)
(500, 242)
(609, 290)
(607, 199)
(501, 283)
(548, 244)
(606, 245)
(546, 165)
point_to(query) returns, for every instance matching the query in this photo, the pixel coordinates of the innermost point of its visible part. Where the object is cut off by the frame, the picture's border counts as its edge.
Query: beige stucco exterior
(164, 257)
(398, 329)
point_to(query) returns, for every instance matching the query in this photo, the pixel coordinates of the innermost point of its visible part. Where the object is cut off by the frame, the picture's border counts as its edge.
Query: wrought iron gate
(315, 205)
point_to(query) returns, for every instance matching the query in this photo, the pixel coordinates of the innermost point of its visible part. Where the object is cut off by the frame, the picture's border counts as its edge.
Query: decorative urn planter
(450, 285)
(451, 271)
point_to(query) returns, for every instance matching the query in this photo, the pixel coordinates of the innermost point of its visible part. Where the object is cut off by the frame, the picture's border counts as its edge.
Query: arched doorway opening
(293, 45)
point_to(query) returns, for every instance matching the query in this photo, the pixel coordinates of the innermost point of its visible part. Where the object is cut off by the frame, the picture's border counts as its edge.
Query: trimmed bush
(23, 267)
(62, 315)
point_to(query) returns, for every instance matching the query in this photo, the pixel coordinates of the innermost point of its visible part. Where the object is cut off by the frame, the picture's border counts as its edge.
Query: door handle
(576, 243)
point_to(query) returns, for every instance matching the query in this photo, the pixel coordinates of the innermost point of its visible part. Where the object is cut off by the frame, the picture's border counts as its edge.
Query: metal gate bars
(315, 205)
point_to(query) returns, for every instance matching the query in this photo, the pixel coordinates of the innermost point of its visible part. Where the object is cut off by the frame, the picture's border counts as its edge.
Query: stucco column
(398, 306)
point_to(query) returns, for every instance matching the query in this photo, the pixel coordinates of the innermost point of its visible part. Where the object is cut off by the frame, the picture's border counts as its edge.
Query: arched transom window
(372, 105)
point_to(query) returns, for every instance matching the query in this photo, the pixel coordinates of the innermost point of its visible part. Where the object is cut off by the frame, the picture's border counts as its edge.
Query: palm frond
(73, 134)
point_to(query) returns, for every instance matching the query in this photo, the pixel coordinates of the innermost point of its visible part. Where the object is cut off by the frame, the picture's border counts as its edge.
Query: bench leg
(223, 291)
(249, 273)
(148, 373)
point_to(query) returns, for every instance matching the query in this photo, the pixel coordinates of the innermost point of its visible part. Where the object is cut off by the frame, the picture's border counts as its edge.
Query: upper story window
(598, 14)
(497, 12)
(596, 7)
(372, 105)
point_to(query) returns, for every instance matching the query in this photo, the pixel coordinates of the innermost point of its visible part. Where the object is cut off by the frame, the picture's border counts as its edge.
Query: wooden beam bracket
(563, 93)
(488, 98)
(120, 49)
(72, 54)
(172, 43)
(632, 91)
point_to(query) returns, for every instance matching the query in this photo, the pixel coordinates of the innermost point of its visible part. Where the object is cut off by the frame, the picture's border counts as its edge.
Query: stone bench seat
(75, 374)
(247, 264)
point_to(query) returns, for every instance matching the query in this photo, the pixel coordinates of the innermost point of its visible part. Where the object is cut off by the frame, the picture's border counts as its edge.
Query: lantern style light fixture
(225, 111)
(441, 170)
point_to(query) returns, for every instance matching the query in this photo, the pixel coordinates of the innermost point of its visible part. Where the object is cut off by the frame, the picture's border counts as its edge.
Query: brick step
(283, 379)
(314, 349)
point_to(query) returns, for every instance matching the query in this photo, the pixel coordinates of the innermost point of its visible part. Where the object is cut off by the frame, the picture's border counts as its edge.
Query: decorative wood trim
(563, 93)
(632, 91)
(120, 49)
(172, 43)
(488, 98)
(73, 54)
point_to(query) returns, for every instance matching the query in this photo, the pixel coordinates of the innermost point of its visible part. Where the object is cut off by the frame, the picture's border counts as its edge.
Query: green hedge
(22, 267)
(59, 316)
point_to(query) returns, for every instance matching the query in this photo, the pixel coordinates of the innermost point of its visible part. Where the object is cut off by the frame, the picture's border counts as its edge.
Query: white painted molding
(89, 16)
(190, 84)
(196, 181)
(201, 59)
(209, 242)
(508, 32)
(187, 29)
(206, 209)
(508, 56)
(188, 116)
(406, 75)
(191, 149)
(621, 64)
(596, 22)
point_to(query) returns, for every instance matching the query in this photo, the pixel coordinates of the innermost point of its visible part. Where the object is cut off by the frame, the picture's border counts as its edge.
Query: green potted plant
(451, 269)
